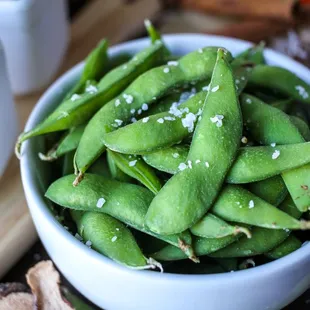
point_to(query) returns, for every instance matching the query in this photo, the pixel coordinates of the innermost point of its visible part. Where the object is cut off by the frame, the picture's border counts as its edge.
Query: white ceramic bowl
(111, 286)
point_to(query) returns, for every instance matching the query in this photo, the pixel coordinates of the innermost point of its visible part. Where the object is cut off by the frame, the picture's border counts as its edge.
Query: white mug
(8, 116)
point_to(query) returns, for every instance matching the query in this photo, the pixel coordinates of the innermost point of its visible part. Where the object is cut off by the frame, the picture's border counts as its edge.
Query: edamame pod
(125, 202)
(282, 105)
(167, 128)
(95, 65)
(67, 144)
(116, 173)
(135, 167)
(111, 238)
(202, 246)
(271, 126)
(262, 162)
(235, 204)
(211, 226)
(78, 109)
(288, 246)
(146, 89)
(254, 54)
(272, 190)
(281, 80)
(188, 195)
(263, 239)
(302, 126)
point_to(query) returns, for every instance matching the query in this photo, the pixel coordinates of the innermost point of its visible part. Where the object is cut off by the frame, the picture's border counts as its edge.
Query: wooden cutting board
(115, 20)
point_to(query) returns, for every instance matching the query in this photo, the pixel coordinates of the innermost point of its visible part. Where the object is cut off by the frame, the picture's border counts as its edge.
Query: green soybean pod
(236, 204)
(178, 206)
(263, 239)
(136, 168)
(167, 128)
(269, 125)
(302, 126)
(211, 226)
(115, 172)
(67, 144)
(281, 80)
(262, 162)
(288, 246)
(254, 54)
(95, 65)
(67, 166)
(111, 238)
(78, 109)
(126, 202)
(142, 92)
(167, 159)
(283, 105)
(272, 190)
(202, 246)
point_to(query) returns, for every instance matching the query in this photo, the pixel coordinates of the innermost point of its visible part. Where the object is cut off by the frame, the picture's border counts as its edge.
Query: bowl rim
(33, 192)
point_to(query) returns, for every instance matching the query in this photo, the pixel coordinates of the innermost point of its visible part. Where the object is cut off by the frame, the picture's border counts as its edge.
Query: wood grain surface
(99, 19)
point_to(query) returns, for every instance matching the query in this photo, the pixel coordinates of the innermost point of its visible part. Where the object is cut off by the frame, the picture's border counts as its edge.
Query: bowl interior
(36, 175)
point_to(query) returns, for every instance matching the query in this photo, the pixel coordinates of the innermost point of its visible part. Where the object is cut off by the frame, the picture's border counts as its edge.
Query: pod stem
(78, 179)
(247, 264)
(47, 157)
(304, 225)
(188, 250)
(17, 149)
(151, 264)
(243, 230)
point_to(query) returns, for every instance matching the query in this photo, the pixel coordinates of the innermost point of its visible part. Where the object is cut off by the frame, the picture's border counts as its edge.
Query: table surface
(37, 252)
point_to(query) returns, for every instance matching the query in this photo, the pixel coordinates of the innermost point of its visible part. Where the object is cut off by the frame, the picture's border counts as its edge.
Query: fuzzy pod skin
(146, 89)
(288, 246)
(235, 204)
(211, 226)
(66, 144)
(73, 112)
(167, 128)
(202, 246)
(302, 126)
(272, 190)
(254, 54)
(110, 237)
(95, 66)
(126, 202)
(270, 125)
(263, 239)
(281, 80)
(188, 195)
(136, 168)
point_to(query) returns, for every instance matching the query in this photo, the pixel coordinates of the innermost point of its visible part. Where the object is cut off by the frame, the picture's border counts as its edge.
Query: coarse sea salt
(144, 107)
(251, 204)
(114, 238)
(302, 92)
(145, 119)
(132, 163)
(175, 155)
(188, 121)
(117, 102)
(166, 70)
(75, 97)
(160, 120)
(273, 144)
(275, 154)
(182, 166)
(215, 88)
(172, 63)
(207, 164)
(101, 201)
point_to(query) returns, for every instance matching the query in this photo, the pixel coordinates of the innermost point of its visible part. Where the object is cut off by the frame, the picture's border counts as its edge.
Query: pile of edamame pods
(198, 164)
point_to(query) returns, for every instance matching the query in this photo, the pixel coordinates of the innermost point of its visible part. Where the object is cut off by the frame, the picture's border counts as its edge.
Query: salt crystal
(145, 119)
(160, 120)
(251, 204)
(132, 163)
(166, 70)
(75, 97)
(275, 154)
(100, 202)
(182, 166)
